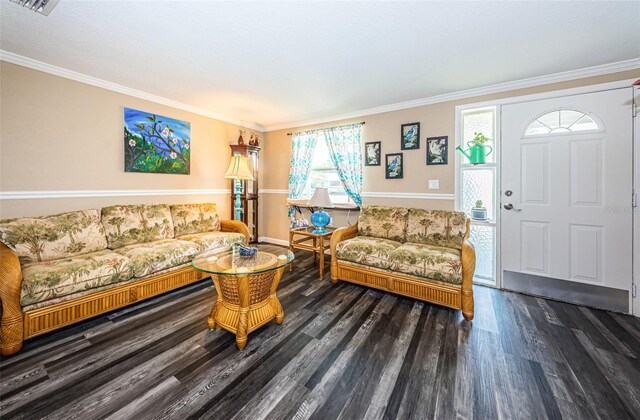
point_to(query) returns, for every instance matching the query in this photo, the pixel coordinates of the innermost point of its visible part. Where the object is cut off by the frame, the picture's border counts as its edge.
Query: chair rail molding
(36, 195)
(416, 196)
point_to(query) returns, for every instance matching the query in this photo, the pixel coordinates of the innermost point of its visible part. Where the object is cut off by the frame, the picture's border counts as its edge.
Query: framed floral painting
(156, 144)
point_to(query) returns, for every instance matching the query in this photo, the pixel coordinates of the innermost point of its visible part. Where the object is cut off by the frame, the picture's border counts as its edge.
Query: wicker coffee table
(246, 289)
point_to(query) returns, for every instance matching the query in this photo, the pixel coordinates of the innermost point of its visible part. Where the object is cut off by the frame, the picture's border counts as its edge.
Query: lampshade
(320, 198)
(239, 168)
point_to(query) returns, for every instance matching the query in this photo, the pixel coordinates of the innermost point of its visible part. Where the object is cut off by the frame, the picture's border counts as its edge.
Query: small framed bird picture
(410, 136)
(393, 165)
(437, 150)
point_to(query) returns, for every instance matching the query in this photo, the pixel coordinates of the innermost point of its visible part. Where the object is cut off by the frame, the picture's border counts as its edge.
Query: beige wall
(435, 120)
(60, 135)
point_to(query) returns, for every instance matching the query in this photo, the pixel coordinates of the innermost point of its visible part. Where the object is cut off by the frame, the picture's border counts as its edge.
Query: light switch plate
(434, 184)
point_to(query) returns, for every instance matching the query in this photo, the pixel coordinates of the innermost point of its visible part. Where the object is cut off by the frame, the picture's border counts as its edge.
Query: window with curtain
(323, 173)
(329, 157)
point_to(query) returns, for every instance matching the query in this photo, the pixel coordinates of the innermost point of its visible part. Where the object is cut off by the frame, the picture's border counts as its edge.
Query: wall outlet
(434, 184)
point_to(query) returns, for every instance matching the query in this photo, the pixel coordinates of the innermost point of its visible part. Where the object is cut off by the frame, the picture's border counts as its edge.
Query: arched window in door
(563, 121)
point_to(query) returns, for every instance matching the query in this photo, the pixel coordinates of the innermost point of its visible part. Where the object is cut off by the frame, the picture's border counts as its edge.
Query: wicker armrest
(338, 236)
(468, 268)
(342, 234)
(10, 285)
(235, 226)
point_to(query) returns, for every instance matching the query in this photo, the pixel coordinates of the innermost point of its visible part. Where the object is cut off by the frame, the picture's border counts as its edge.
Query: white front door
(566, 196)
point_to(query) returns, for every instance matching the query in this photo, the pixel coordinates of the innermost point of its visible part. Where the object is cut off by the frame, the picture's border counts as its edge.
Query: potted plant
(478, 212)
(476, 153)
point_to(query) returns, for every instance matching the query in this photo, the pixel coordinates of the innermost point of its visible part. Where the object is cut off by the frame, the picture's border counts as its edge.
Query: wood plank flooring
(343, 352)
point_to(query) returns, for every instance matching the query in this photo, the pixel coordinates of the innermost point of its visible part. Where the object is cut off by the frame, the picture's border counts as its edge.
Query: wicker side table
(319, 242)
(246, 288)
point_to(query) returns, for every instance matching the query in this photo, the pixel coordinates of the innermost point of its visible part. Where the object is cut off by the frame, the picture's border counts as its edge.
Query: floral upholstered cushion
(209, 241)
(52, 279)
(436, 227)
(135, 224)
(194, 218)
(152, 257)
(37, 239)
(428, 261)
(367, 250)
(383, 222)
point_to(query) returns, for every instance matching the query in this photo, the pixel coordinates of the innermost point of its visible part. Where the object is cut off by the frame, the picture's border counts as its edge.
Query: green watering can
(476, 153)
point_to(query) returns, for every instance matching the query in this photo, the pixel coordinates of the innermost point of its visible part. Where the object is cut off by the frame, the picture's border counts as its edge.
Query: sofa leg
(11, 336)
(467, 305)
(334, 280)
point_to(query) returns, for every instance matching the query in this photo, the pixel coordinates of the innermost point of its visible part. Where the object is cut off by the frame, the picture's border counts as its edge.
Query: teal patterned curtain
(344, 147)
(302, 146)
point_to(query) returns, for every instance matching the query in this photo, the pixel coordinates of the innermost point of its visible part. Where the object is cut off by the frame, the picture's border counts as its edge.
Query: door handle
(509, 206)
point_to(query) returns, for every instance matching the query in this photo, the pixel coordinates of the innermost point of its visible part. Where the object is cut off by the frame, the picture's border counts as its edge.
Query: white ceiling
(271, 63)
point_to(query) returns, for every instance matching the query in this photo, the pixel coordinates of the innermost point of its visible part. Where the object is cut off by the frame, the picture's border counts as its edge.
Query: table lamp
(320, 218)
(238, 170)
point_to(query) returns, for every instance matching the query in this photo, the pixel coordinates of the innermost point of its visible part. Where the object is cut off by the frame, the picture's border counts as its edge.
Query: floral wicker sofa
(61, 269)
(418, 253)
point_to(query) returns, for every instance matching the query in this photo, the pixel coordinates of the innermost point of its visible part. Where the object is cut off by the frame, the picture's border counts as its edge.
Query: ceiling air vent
(41, 6)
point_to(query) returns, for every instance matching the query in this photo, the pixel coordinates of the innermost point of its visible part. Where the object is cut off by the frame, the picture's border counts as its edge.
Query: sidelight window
(479, 183)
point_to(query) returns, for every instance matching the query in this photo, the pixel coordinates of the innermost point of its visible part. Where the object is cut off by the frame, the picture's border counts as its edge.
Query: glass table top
(267, 258)
(314, 230)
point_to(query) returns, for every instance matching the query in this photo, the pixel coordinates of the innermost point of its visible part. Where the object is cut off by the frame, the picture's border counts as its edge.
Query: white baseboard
(274, 241)
(282, 242)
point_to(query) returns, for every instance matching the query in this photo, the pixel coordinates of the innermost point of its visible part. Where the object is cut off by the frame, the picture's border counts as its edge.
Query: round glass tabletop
(267, 258)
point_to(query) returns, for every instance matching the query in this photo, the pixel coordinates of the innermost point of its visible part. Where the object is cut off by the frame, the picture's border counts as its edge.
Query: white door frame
(534, 97)
(635, 301)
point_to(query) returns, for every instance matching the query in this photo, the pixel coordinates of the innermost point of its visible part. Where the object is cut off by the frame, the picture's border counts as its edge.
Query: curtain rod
(290, 134)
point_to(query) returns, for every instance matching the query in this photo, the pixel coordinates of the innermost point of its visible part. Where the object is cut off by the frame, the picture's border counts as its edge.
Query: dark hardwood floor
(342, 352)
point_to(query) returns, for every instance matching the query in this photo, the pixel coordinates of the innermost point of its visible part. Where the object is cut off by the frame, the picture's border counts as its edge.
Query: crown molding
(632, 64)
(19, 60)
(34, 195)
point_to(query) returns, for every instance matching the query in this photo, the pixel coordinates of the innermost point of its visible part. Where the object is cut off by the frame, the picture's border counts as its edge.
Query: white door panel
(571, 193)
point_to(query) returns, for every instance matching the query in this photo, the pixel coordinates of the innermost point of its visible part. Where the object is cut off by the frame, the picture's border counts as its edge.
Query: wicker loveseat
(418, 253)
(61, 269)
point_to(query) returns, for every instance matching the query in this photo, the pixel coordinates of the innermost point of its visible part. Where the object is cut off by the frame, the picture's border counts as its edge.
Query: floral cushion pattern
(367, 250)
(209, 241)
(39, 239)
(135, 224)
(383, 222)
(194, 218)
(152, 257)
(52, 279)
(428, 261)
(436, 227)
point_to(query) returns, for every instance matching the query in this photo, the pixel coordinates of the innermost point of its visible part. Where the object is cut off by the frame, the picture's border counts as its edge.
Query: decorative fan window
(562, 121)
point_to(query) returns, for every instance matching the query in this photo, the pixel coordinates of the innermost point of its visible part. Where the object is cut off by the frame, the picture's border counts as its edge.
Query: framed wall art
(394, 166)
(372, 153)
(437, 150)
(410, 136)
(156, 144)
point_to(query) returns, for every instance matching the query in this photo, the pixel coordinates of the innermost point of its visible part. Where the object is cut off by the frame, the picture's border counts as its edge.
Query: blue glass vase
(320, 219)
